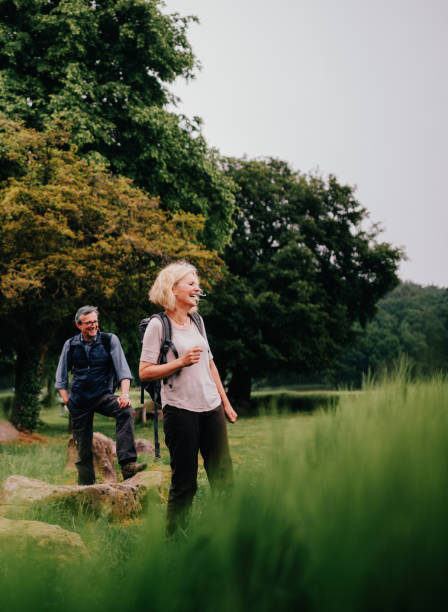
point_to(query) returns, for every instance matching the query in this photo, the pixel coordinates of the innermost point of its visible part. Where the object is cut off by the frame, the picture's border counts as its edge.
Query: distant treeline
(411, 321)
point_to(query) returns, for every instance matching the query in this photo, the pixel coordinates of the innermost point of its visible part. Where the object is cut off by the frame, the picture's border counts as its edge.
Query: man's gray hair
(85, 310)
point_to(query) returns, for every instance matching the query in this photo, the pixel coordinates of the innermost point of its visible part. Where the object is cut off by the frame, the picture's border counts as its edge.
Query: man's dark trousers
(81, 416)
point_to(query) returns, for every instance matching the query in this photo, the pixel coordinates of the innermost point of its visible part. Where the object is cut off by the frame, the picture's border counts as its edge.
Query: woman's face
(186, 290)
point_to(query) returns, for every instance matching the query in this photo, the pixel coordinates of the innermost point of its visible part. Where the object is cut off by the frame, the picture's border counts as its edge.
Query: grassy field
(339, 509)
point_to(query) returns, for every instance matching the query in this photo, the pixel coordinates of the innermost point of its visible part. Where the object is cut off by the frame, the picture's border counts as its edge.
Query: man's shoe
(131, 469)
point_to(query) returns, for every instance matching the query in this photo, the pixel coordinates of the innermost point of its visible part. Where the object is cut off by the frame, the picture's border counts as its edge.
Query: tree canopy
(73, 233)
(104, 68)
(301, 272)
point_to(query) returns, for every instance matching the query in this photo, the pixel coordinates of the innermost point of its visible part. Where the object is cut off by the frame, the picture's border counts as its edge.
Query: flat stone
(48, 540)
(115, 501)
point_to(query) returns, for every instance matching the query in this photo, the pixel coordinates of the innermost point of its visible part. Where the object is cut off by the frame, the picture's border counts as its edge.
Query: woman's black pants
(186, 434)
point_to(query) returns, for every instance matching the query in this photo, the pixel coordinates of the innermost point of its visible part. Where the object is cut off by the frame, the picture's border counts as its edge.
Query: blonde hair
(161, 292)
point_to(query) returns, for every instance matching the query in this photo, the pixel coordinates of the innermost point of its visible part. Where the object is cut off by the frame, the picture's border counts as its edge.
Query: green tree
(72, 233)
(104, 68)
(302, 272)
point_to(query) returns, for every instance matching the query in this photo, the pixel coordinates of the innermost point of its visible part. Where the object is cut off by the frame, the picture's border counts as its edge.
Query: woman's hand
(230, 412)
(191, 357)
(157, 371)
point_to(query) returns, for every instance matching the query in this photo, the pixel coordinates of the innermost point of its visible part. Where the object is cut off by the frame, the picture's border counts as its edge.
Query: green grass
(344, 509)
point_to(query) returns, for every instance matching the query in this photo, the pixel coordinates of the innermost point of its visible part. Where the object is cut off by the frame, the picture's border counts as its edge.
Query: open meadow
(343, 508)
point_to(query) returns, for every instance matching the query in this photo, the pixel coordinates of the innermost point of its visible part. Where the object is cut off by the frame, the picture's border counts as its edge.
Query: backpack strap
(167, 344)
(198, 321)
(70, 352)
(105, 340)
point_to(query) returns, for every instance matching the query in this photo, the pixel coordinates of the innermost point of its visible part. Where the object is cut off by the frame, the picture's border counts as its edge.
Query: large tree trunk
(25, 412)
(239, 390)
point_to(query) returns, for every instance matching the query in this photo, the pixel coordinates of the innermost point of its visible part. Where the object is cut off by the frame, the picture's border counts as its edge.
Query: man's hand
(123, 400)
(64, 395)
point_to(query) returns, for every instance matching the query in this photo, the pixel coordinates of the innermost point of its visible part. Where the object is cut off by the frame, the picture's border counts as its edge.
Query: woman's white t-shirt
(193, 388)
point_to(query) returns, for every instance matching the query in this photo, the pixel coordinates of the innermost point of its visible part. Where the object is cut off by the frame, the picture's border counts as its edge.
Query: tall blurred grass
(345, 510)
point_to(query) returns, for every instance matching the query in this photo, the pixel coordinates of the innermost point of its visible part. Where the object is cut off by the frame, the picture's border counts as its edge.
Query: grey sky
(350, 87)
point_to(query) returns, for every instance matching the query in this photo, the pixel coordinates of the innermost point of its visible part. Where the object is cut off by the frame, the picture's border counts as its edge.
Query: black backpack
(154, 387)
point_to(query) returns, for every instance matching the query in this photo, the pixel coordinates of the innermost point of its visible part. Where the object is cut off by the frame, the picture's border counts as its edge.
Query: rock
(104, 453)
(144, 446)
(146, 412)
(150, 484)
(140, 414)
(115, 501)
(8, 433)
(48, 540)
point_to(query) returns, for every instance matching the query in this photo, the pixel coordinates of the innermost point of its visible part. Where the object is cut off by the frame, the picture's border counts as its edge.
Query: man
(96, 359)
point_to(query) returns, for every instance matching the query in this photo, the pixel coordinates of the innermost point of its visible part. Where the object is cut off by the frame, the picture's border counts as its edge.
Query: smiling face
(89, 326)
(186, 291)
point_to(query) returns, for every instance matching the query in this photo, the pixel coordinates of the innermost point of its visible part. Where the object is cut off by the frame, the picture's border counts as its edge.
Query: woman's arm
(230, 412)
(152, 371)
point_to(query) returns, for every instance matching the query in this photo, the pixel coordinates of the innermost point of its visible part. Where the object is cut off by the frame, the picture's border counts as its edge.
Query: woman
(194, 402)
